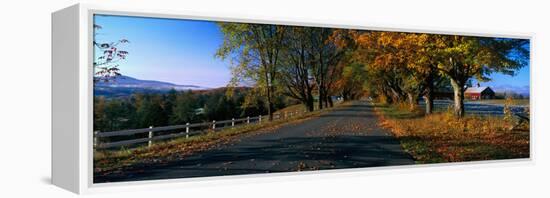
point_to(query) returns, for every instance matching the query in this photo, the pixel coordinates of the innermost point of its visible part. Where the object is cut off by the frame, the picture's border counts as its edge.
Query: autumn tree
(149, 111)
(184, 107)
(326, 54)
(385, 57)
(297, 66)
(100, 120)
(411, 64)
(107, 55)
(466, 57)
(110, 115)
(310, 63)
(254, 51)
(351, 80)
(421, 61)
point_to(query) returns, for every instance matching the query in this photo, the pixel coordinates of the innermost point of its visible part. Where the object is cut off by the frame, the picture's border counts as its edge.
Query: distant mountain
(126, 85)
(130, 82)
(523, 90)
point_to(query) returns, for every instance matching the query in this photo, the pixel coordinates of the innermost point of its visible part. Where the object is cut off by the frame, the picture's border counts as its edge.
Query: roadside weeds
(440, 137)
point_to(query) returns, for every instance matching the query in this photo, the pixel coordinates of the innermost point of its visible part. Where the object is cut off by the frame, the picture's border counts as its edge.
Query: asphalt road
(346, 137)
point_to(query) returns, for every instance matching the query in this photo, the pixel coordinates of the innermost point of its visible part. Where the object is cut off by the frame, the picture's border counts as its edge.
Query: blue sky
(169, 50)
(182, 51)
(520, 79)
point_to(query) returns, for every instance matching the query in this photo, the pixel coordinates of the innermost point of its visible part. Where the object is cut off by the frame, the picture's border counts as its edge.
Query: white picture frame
(72, 92)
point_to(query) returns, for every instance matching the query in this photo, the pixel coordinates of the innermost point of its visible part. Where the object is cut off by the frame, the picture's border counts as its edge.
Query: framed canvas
(164, 97)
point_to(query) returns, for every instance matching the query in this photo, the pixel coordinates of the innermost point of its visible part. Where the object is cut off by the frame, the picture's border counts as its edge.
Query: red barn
(479, 93)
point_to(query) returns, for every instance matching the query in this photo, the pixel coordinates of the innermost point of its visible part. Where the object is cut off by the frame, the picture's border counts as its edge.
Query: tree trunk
(429, 103)
(458, 87)
(270, 106)
(387, 97)
(326, 100)
(269, 102)
(321, 98)
(397, 95)
(309, 102)
(429, 96)
(330, 102)
(412, 100)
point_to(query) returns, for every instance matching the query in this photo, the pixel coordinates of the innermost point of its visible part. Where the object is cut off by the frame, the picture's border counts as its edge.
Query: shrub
(508, 114)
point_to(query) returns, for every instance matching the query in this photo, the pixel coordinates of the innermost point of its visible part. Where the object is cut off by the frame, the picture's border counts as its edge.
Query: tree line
(296, 62)
(311, 63)
(281, 65)
(141, 110)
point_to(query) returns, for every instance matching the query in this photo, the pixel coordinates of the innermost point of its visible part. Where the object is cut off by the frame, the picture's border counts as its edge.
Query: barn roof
(475, 89)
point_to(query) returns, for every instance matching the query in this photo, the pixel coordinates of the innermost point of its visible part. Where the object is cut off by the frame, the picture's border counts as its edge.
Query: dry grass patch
(441, 137)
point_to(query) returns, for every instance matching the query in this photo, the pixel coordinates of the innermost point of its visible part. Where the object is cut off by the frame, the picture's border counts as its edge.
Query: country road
(345, 137)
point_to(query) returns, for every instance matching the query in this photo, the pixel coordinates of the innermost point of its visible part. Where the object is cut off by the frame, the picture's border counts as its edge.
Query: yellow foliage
(508, 114)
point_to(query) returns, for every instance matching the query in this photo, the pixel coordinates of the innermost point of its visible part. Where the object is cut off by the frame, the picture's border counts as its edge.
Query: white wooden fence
(186, 130)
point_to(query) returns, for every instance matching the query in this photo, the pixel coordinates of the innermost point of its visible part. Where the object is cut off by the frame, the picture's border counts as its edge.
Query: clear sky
(182, 51)
(520, 79)
(169, 50)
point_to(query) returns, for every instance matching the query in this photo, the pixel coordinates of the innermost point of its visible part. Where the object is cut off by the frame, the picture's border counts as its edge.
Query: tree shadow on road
(277, 155)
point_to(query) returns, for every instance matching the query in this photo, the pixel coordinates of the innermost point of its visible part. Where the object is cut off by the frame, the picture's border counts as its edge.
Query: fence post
(260, 119)
(213, 124)
(95, 138)
(150, 137)
(232, 122)
(248, 119)
(187, 131)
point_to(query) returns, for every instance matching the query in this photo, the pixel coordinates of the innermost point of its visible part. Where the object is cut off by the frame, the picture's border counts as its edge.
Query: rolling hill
(126, 85)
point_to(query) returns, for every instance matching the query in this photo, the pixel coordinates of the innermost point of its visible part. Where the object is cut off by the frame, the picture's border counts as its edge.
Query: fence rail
(185, 130)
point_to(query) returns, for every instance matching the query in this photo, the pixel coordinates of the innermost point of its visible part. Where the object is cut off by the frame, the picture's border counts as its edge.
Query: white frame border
(85, 158)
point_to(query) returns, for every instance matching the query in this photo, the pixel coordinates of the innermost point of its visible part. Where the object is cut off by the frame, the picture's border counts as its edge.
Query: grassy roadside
(515, 102)
(111, 161)
(440, 137)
